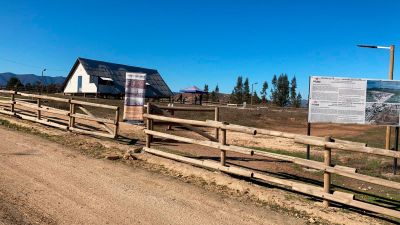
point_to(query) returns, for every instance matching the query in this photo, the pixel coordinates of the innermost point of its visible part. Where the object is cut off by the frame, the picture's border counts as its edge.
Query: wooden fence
(329, 144)
(32, 107)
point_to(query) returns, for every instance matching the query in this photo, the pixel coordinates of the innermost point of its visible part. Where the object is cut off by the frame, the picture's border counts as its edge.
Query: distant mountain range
(30, 78)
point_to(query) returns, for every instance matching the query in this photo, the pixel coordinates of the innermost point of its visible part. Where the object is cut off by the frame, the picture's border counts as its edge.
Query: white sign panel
(354, 101)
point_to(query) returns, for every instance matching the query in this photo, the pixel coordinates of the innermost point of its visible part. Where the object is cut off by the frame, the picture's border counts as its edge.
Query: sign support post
(391, 68)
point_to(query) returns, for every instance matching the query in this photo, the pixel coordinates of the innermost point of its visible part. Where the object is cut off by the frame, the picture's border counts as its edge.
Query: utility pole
(391, 68)
(41, 88)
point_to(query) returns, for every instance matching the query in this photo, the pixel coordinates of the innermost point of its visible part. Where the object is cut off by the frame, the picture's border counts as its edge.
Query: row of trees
(15, 84)
(283, 92)
(213, 96)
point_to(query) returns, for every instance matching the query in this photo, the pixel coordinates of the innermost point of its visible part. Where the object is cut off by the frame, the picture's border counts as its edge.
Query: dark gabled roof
(157, 87)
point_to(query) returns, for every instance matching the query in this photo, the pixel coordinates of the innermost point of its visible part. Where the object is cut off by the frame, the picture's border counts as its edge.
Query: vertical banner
(135, 89)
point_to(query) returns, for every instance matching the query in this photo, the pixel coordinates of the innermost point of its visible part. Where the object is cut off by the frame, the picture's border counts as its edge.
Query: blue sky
(198, 42)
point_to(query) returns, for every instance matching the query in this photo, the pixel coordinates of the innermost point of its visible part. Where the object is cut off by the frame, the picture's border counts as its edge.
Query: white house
(89, 76)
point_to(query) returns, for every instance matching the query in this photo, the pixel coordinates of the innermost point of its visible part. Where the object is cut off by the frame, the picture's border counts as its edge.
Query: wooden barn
(98, 78)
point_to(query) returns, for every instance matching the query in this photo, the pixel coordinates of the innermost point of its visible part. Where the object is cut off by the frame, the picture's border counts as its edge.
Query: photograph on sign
(354, 101)
(383, 102)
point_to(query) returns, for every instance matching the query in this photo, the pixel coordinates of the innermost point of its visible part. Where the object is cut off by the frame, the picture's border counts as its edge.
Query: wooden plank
(201, 142)
(293, 136)
(108, 129)
(78, 130)
(206, 163)
(7, 112)
(7, 92)
(340, 170)
(6, 102)
(342, 198)
(180, 108)
(97, 119)
(339, 197)
(44, 97)
(190, 127)
(210, 123)
(347, 147)
(43, 108)
(42, 121)
(94, 104)
(200, 132)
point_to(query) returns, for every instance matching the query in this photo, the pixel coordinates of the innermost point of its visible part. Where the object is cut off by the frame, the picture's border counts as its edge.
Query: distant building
(94, 77)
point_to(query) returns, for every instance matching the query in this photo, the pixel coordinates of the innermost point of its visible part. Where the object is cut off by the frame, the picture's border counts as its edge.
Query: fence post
(116, 121)
(327, 175)
(396, 148)
(149, 126)
(39, 114)
(223, 141)
(13, 102)
(71, 112)
(172, 114)
(308, 134)
(216, 118)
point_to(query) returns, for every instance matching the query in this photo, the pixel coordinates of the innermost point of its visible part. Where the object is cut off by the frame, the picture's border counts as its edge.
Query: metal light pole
(252, 93)
(391, 68)
(41, 89)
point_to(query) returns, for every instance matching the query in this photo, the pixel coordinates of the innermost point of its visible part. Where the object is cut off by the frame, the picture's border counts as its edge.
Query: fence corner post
(39, 113)
(327, 175)
(149, 126)
(71, 114)
(223, 142)
(216, 118)
(13, 102)
(116, 122)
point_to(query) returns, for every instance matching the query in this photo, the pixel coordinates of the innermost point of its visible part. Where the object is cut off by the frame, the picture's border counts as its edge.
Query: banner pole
(308, 134)
(396, 148)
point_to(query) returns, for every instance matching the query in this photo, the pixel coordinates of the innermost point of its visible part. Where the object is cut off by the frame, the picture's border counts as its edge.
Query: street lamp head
(367, 46)
(373, 46)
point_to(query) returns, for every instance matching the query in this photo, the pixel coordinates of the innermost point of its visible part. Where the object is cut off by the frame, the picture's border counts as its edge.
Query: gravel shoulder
(42, 182)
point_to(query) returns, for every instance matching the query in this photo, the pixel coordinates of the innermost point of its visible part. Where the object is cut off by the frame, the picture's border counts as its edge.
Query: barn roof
(157, 87)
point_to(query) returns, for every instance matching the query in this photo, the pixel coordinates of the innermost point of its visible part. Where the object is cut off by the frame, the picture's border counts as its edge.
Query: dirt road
(44, 183)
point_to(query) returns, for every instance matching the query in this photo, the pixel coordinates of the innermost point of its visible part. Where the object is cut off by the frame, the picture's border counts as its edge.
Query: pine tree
(293, 87)
(14, 83)
(207, 95)
(246, 91)
(273, 89)
(263, 92)
(280, 92)
(256, 99)
(214, 94)
(237, 93)
(297, 103)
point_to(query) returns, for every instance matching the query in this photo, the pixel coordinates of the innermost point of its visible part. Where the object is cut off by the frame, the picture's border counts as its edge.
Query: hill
(30, 78)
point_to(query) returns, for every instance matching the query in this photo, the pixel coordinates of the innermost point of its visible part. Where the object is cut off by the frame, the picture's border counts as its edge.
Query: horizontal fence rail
(326, 167)
(32, 107)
